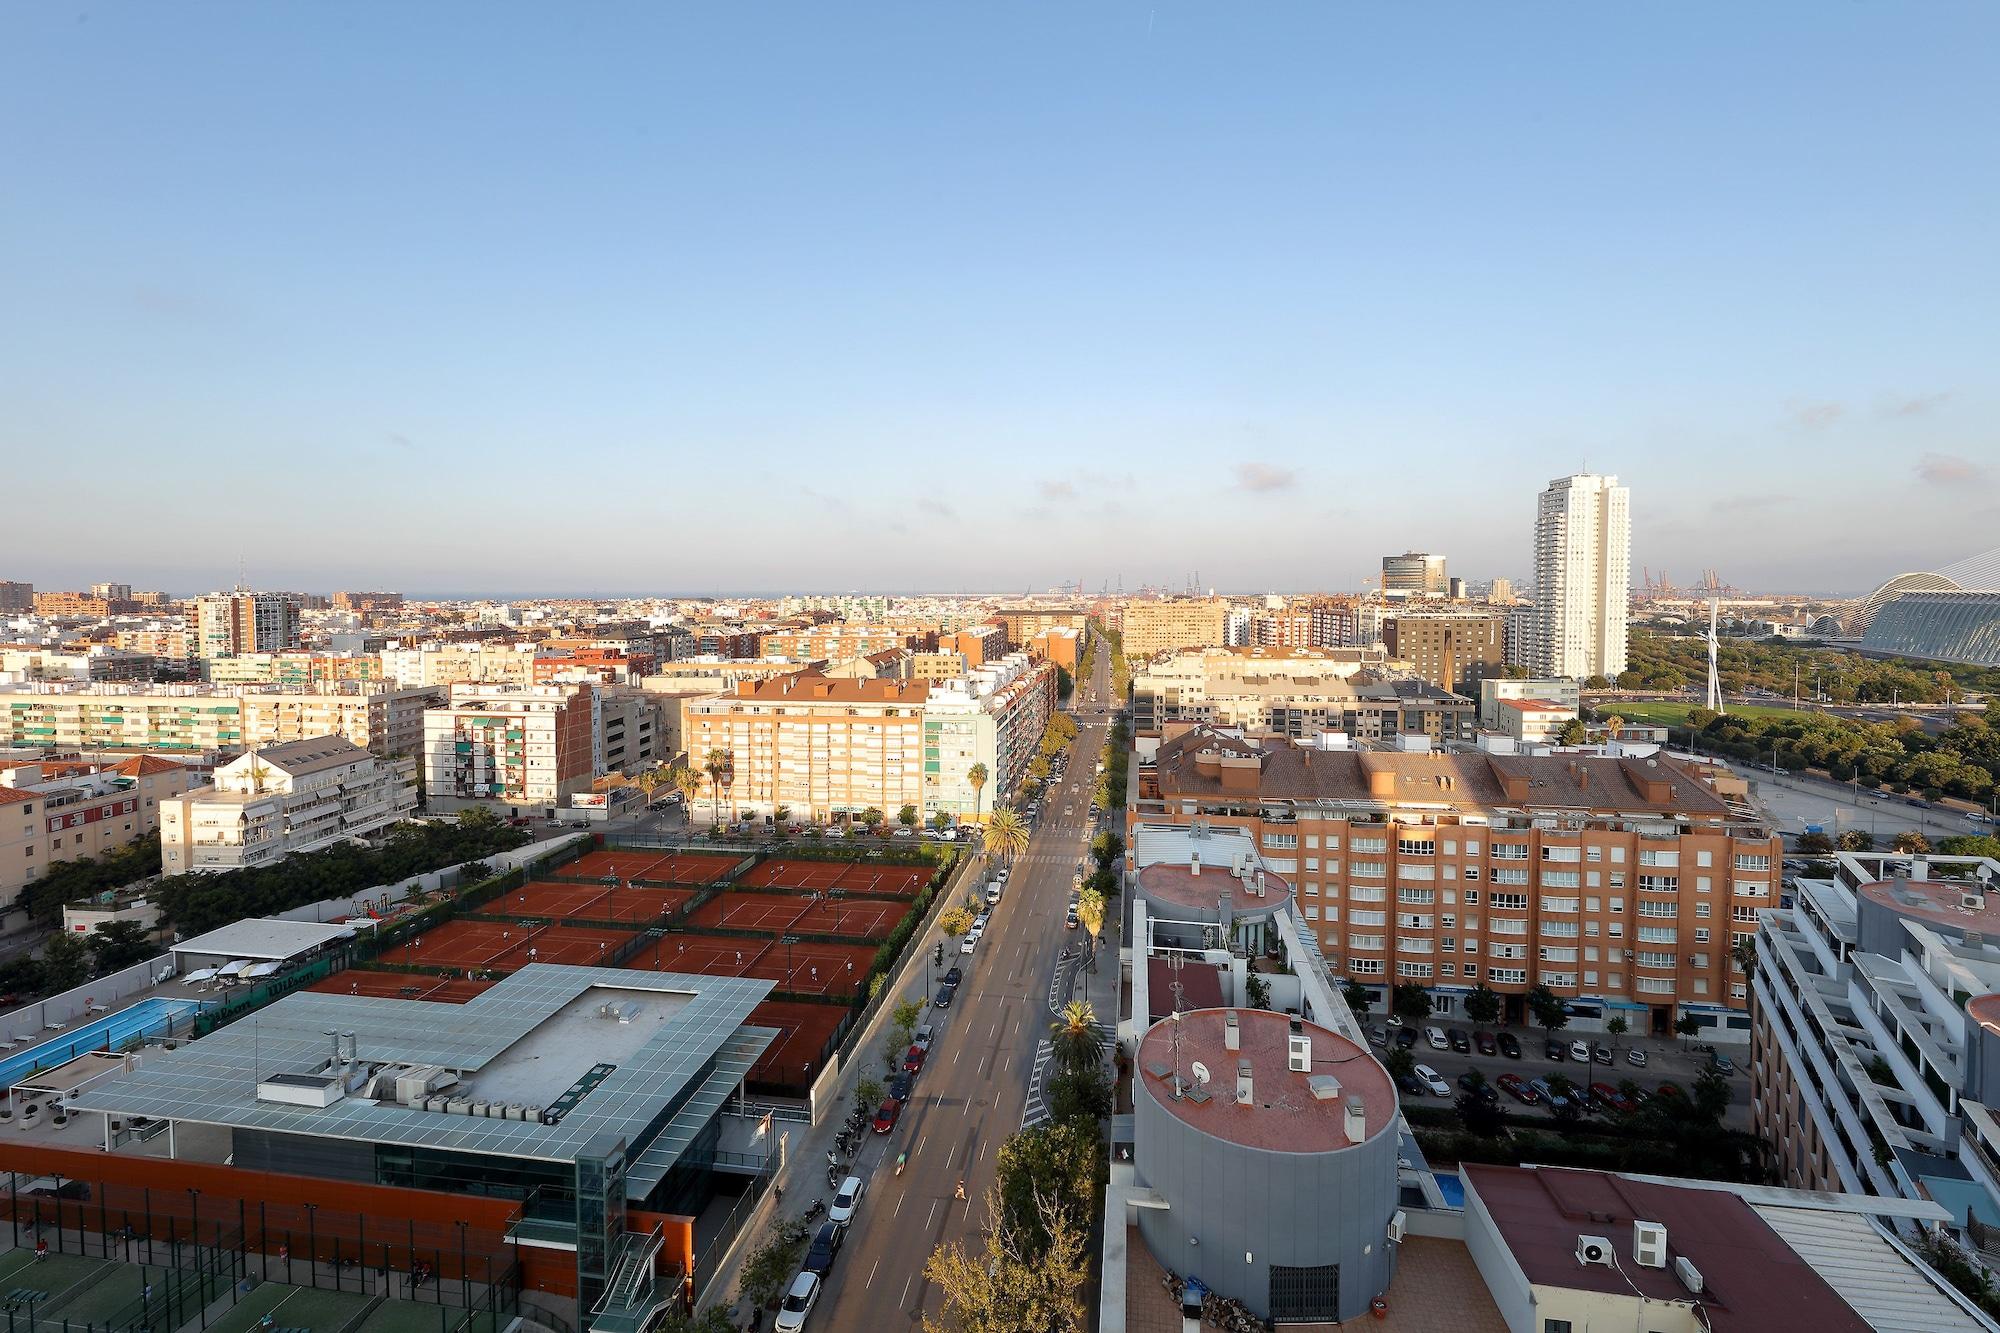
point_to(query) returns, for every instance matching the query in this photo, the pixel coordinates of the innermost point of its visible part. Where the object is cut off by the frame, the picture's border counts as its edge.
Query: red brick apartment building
(1620, 883)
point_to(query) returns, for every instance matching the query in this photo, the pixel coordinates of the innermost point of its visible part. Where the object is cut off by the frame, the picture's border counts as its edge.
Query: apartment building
(179, 720)
(1583, 577)
(297, 796)
(933, 667)
(1533, 721)
(16, 597)
(83, 605)
(1024, 623)
(979, 644)
(1454, 650)
(1300, 693)
(1291, 627)
(1063, 647)
(840, 642)
(994, 716)
(97, 662)
(523, 745)
(246, 622)
(365, 602)
(1566, 693)
(633, 727)
(1618, 882)
(1875, 1041)
(172, 644)
(438, 665)
(63, 810)
(1158, 625)
(816, 744)
(1416, 572)
(587, 662)
(292, 671)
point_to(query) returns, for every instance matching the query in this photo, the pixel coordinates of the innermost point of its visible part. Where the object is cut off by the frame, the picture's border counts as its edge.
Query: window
(1756, 863)
(1418, 897)
(1414, 847)
(1701, 934)
(1618, 856)
(1593, 854)
(1471, 896)
(1419, 971)
(1449, 920)
(1557, 1326)
(1371, 967)
(1471, 970)
(1283, 841)
(1659, 858)
(1450, 847)
(1510, 874)
(1514, 900)
(1472, 872)
(1700, 911)
(1559, 879)
(1472, 846)
(1560, 853)
(1312, 863)
(1360, 918)
(1450, 969)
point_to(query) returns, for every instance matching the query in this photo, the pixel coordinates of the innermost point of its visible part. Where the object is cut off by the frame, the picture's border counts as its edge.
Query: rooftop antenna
(1714, 675)
(1175, 962)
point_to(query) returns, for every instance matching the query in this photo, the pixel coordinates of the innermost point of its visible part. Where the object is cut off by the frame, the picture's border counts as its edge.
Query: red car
(913, 1059)
(1611, 1097)
(1514, 1087)
(886, 1113)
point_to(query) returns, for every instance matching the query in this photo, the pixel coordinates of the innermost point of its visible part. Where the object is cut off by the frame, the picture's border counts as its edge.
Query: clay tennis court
(601, 862)
(592, 902)
(816, 969)
(704, 955)
(485, 942)
(402, 986)
(793, 1059)
(784, 873)
(849, 918)
(687, 868)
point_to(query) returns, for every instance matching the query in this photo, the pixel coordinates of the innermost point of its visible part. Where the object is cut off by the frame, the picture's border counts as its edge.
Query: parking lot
(1666, 1062)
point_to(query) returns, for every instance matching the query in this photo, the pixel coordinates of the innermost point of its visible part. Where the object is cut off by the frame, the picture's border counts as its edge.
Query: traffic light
(937, 955)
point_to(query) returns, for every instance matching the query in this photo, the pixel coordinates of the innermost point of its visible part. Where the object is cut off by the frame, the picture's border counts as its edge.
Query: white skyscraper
(1583, 577)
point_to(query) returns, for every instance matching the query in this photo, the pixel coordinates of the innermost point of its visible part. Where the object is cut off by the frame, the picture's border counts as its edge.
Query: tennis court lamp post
(790, 940)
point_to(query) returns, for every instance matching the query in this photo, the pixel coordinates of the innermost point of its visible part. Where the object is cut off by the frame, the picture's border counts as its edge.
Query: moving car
(1436, 1086)
(798, 1303)
(1510, 1045)
(886, 1115)
(826, 1244)
(1484, 1041)
(846, 1199)
(1512, 1085)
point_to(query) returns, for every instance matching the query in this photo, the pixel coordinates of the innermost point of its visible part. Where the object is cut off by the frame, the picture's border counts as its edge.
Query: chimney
(1244, 1094)
(1259, 882)
(1194, 862)
(1232, 1036)
(1357, 1119)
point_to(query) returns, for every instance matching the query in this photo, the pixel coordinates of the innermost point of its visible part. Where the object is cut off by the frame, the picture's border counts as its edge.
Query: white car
(993, 892)
(979, 923)
(846, 1199)
(1579, 1052)
(1433, 1084)
(969, 943)
(798, 1303)
(1440, 1042)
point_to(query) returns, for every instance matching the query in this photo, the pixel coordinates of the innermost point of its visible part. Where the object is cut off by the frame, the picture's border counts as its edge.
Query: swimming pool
(157, 1017)
(1452, 1188)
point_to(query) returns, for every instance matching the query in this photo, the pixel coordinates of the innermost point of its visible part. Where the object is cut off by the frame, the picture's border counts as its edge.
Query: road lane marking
(929, 1218)
(906, 1289)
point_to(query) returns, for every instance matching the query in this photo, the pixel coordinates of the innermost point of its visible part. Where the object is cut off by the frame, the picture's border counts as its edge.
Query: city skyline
(992, 300)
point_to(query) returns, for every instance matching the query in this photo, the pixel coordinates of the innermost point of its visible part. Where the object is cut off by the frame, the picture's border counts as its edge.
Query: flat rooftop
(1939, 901)
(529, 1040)
(1284, 1114)
(265, 939)
(1178, 884)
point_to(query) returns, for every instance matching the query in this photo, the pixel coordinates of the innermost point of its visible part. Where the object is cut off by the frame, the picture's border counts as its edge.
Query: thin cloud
(403, 442)
(1814, 416)
(1057, 490)
(1915, 405)
(1948, 470)
(1264, 477)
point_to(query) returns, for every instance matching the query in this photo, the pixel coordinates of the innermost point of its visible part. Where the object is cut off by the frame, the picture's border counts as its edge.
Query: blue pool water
(157, 1017)
(1452, 1188)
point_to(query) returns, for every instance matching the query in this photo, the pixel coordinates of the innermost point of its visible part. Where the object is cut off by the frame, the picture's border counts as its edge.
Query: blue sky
(748, 296)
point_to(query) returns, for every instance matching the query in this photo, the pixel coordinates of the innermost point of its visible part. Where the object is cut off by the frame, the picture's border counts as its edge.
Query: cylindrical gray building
(1185, 899)
(1277, 1161)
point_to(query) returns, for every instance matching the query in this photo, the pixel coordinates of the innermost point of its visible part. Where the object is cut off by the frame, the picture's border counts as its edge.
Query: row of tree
(1961, 761)
(68, 960)
(1680, 662)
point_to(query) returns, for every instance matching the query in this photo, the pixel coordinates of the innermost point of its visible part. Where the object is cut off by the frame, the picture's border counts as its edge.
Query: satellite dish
(1200, 1072)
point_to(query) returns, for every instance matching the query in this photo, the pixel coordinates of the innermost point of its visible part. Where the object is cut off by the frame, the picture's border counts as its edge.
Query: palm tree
(977, 776)
(1743, 953)
(1077, 1042)
(1006, 835)
(683, 780)
(1090, 913)
(715, 766)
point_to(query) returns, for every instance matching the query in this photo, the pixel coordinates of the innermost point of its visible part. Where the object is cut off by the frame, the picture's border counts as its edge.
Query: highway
(974, 1087)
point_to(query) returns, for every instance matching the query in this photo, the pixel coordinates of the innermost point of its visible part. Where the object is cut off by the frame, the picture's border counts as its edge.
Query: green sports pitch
(292, 1307)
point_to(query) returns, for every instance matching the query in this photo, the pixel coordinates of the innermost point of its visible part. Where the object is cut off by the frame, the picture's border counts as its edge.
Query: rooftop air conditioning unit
(1593, 1250)
(1689, 1275)
(1649, 1244)
(1396, 1227)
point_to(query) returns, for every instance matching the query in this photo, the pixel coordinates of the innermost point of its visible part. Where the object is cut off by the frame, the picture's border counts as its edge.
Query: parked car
(1579, 1051)
(1613, 1098)
(1510, 1045)
(979, 923)
(1478, 1087)
(1636, 1058)
(1434, 1085)
(904, 833)
(899, 1087)
(946, 993)
(1547, 1093)
(924, 1036)
(826, 1244)
(1672, 1090)
(1407, 1084)
(1554, 1049)
(969, 943)
(1601, 1053)
(1484, 1041)
(913, 1059)
(1437, 1039)
(1460, 1042)
(846, 1199)
(1070, 920)
(1379, 1036)
(1512, 1085)
(1724, 1064)
(993, 892)
(886, 1115)
(1406, 1037)
(798, 1303)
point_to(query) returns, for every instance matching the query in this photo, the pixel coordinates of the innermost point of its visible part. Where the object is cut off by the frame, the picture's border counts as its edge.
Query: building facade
(298, 796)
(1565, 692)
(1416, 572)
(245, 622)
(521, 745)
(1455, 652)
(1619, 883)
(16, 598)
(1158, 625)
(993, 717)
(65, 810)
(179, 720)
(1583, 577)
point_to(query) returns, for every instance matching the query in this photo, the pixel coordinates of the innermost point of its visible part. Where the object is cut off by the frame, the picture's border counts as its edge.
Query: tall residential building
(526, 745)
(16, 597)
(817, 744)
(298, 796)
(1415, 571)
(229, 623)
(993, 716)
(1158, 625)
(1583, 577)
(112, 592)
(1501, 590)
(1617, 882)
(176, 720)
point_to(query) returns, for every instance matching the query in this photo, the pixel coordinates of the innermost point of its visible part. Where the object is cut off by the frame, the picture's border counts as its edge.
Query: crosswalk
(1036, 1110)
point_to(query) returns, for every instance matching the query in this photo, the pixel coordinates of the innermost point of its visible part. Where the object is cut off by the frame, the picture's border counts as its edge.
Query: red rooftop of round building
(1177, 883)
(1941, 901)
(1985, 1011)
(1287, 1112)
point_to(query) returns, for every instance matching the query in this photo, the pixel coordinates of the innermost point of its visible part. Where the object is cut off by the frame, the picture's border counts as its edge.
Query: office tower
(1583, 577)
(1414, 571)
